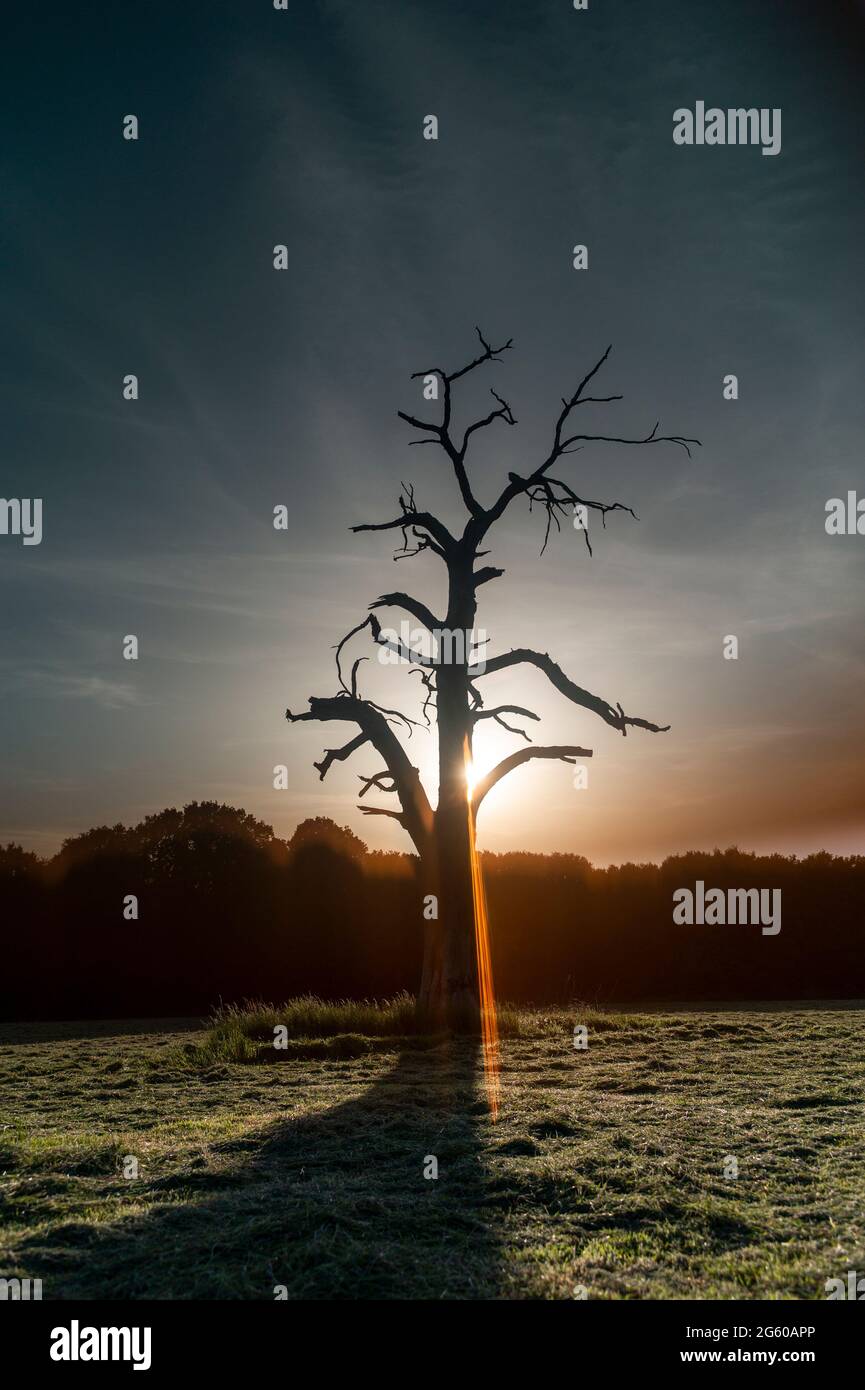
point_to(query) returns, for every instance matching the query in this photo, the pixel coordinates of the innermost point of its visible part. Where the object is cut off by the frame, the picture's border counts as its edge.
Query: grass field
(605, 1170)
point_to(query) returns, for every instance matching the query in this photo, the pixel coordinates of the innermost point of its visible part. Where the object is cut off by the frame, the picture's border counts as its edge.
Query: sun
(471, 779)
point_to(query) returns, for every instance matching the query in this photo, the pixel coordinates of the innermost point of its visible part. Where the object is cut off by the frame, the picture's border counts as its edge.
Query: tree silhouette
(451, 673)
(321, 831)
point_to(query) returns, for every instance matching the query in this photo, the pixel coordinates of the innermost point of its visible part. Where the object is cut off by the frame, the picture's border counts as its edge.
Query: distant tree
(91, 844)
(322, 831)
(443, 836)
(18, 863)
(204, 840)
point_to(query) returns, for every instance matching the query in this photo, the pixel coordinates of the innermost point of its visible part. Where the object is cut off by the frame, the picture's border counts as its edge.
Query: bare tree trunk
(431, 993)
(448, 995)
(430, 1000)
(449, 988)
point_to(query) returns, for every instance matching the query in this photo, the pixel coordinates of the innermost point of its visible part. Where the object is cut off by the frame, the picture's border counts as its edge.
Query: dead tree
(443, 835)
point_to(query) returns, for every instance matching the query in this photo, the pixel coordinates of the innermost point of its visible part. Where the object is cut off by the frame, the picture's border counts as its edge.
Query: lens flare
(470, 776)
(489, 1024)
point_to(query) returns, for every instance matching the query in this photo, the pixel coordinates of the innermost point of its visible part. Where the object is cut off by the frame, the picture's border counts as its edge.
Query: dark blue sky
(257, 388)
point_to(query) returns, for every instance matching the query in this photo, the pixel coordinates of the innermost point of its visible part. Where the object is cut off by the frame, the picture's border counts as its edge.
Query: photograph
(432, 658)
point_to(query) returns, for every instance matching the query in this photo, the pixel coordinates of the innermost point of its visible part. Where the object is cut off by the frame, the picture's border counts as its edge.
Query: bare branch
(354, 671)
(556, 496)
(511, 728)
(403, 523)
(565, 754)
(503, 413)
(651, 438)
(500, 710)
(382, 811)
(489, 354)
(395, 716)
(338, 755)
(377, 780)
(441, 431)
(562, 445)
(438, 538)
(397, 646)
(411, 605)
(429, 426)
(428, 678)
(615, 717)
(352, 690)
(407, 654)
(483, 576)
(373, 724)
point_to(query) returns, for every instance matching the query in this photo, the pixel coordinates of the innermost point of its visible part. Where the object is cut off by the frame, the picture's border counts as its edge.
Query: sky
(258, 387)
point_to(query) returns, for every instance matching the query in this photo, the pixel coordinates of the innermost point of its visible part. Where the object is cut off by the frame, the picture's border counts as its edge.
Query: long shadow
(342, 1203)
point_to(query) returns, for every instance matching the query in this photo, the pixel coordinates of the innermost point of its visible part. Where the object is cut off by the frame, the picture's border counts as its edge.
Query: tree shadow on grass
(329, 1205)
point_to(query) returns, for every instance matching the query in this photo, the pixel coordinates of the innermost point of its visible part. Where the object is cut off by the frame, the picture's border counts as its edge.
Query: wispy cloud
(40, 682)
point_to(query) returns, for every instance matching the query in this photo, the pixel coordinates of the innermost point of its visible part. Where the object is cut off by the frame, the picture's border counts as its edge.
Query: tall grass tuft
(317, 1027)
(325, 1028)
(310, 1017)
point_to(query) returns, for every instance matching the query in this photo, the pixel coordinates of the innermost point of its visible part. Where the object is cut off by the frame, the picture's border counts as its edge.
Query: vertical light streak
(489, 1024)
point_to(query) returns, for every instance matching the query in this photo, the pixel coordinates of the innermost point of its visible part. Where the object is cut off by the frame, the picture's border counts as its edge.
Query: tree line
(206, 904)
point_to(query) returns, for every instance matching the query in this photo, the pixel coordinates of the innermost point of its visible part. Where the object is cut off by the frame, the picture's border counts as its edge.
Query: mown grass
(605, 1172)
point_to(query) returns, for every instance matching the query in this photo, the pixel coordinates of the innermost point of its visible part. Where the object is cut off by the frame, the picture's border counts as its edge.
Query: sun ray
(489, 1023)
